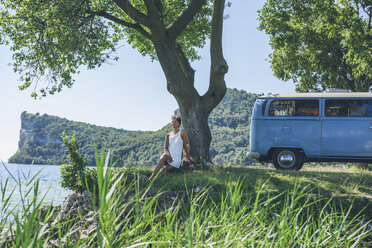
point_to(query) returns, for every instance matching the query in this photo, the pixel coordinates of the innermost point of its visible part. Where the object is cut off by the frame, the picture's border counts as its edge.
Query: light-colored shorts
(176, 163)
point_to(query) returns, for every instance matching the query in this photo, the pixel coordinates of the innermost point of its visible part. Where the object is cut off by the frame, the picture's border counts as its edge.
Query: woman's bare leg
(157, 168)
(165, 169)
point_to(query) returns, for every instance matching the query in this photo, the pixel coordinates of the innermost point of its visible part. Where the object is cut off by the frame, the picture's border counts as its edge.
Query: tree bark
(195, 122)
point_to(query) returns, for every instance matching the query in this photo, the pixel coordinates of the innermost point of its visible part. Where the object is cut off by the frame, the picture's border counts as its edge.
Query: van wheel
(288, 159)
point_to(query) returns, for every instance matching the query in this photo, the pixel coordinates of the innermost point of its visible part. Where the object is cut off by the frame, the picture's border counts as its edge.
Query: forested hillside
(230, 123)
(41, 143)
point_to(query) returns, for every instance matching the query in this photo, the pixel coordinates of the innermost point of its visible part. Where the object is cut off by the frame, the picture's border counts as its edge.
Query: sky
(131, 94)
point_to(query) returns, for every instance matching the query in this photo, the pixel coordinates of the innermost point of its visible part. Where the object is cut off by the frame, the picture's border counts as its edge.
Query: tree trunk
(195, 122)
(180, 83)
(194, 108)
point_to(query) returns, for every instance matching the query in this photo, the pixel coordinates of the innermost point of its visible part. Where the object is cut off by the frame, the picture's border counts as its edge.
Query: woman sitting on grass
(175, 141)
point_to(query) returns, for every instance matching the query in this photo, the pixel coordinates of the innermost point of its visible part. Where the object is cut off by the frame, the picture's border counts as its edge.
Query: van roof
(322, 95)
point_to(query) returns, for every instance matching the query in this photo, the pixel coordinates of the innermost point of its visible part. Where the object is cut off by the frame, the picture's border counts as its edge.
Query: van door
(347, 128)
(293, 123)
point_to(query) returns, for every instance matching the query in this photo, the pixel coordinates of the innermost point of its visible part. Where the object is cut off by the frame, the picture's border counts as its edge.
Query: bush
(75, 175)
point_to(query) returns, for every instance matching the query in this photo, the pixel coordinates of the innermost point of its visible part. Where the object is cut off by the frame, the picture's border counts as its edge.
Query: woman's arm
(166, 145)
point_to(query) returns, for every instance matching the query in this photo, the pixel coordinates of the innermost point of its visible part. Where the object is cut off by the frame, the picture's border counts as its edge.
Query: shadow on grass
(346, 187)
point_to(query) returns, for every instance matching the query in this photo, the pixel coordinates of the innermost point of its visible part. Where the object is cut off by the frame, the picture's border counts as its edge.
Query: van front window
(352, 108)
(294, 108)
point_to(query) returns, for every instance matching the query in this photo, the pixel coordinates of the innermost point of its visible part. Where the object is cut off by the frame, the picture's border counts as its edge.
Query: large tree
(52, 39)
(320, 44)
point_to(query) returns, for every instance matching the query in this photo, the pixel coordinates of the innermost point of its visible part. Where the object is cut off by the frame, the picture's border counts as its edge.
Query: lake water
(19, 177)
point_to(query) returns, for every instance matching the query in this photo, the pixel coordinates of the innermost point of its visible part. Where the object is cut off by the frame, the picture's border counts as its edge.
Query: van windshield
(352, 108)
(294, 108)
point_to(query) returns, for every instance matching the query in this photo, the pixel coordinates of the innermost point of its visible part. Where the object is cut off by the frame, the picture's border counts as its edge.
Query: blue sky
(131, 93)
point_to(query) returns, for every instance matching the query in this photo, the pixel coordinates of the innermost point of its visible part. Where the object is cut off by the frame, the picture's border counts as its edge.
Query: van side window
(294, 108)
(352, 108)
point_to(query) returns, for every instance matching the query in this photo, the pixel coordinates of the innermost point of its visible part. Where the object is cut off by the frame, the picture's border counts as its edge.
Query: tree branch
(155, 16)
(176, 27)
(133, 13)
(344, 74)
(184, 62)
(369, 20)
(150, 6)
(217, 86)
(135, 26)
(159, 6)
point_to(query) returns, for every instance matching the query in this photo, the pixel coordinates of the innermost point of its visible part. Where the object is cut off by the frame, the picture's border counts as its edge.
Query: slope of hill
(230, 124)
(41, 143)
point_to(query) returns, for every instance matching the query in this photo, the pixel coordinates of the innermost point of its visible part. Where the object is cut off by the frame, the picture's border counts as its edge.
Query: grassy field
(215, 207)
(348, 185)
(333, 180)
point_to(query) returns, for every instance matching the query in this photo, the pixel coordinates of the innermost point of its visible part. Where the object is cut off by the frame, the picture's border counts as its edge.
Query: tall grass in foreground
(22, 223)
(130, 217)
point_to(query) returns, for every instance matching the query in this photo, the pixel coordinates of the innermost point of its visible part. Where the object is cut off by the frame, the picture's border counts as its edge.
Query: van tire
(288, 159)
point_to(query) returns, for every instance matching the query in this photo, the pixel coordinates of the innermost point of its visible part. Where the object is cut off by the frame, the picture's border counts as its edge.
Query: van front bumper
(253, 155)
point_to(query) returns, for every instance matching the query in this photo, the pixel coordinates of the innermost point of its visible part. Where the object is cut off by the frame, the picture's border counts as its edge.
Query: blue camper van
(291, 129)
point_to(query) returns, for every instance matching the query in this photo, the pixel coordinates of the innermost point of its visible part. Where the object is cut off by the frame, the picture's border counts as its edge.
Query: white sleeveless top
(175, 148)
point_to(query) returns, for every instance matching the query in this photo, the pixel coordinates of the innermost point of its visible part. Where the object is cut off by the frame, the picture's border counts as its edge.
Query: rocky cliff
(40, 140)
(31, 133)
(36, 145)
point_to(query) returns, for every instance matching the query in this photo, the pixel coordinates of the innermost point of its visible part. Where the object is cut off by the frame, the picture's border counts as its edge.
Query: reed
(133, 213)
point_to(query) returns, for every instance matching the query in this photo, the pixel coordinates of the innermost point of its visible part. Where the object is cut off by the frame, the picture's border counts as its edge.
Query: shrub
(75, 175)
